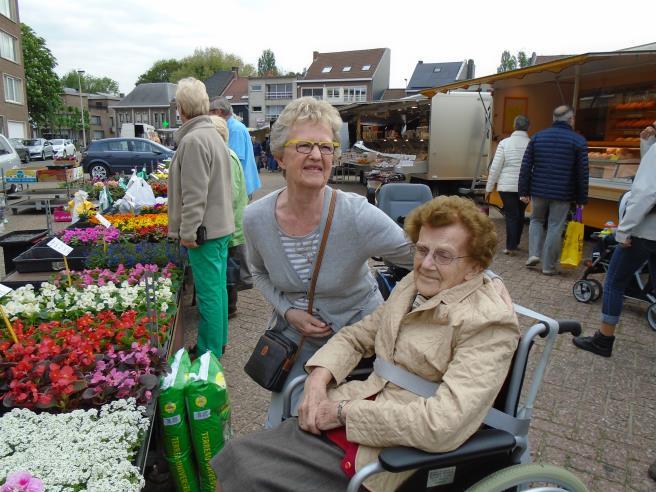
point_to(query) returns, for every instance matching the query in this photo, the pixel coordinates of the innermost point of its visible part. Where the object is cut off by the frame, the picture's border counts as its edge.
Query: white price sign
(4, 290)
(103, 221)
(60, 246)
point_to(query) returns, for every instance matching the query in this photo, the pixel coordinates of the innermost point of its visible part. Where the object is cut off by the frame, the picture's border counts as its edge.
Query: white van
(136, 130)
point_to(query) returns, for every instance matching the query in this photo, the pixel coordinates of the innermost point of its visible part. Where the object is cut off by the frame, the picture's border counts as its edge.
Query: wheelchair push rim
(523, 476)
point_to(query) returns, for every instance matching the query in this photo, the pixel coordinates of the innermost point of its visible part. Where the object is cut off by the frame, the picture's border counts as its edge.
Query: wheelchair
(491, 459)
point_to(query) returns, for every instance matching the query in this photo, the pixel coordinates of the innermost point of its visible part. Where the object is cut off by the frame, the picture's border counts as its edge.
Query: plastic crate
(16, 242)
(45, 259)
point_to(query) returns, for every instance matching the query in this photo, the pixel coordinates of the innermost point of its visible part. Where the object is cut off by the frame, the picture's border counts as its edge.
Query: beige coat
(200, 182)
(463, 337)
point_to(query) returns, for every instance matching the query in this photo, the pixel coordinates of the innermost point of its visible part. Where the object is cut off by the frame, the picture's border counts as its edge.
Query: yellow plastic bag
(572, 252)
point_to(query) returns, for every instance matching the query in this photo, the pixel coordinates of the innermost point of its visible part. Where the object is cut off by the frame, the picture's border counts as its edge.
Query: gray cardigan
(346, 290)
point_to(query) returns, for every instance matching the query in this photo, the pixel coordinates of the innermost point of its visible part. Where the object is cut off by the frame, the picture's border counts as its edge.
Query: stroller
(642, 287)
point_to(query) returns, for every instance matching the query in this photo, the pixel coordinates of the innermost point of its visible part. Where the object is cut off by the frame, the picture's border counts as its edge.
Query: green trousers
(208, 265)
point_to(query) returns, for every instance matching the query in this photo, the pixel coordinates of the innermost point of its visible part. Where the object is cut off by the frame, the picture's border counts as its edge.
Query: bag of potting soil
(177, 444)
(209, 414)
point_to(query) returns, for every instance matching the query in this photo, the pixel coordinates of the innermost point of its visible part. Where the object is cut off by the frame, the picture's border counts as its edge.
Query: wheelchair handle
(569, 326)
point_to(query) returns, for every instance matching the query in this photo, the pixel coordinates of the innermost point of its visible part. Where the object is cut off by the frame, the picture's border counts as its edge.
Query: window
(366, 67)
(145, 117)
(278, 91)
(257, 109)
(355, 94)
(8, 47)
(346, 69)
(437, 69)
(137, 118)
(156, 118)
(228, 97)
(272, 112)
(8, 9)
(326, 69)
(13, 89)
(256, 88)
(334, 93)
(95, 120)
(117, 146)
(121, 117)
(163, 119)
(315, 92)
(140, 146)
(98, 134)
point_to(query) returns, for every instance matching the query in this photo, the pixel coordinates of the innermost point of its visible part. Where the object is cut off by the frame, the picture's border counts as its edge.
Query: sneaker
(597, 344)
(532, 260)
(550, 273)
(509, 252)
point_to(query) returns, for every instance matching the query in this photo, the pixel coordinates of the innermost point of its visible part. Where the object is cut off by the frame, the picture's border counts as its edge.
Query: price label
(103, 221)
(4, 290)
(60, 246)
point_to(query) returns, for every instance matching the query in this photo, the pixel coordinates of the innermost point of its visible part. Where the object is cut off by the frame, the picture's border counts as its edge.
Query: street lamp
(84, 133)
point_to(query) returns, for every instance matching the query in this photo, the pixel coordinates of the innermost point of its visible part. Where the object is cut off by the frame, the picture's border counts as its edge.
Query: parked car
(8, 156)
(108, 156)
(62, 147)
(21, 150)
(40, 148)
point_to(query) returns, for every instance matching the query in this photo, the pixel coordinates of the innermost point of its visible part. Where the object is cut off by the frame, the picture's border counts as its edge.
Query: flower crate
(46, 259)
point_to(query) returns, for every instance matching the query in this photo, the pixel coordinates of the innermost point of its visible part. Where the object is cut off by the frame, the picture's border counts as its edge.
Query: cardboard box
(49, 175)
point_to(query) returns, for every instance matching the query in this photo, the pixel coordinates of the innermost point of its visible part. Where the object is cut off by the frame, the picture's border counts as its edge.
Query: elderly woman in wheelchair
(444, 323)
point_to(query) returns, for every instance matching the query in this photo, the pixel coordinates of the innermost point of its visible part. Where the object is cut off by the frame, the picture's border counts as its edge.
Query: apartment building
(267, 97)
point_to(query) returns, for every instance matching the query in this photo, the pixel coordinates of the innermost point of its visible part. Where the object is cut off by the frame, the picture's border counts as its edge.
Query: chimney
(236, 70)
(315, 55)
(420, 62)
(471, 69)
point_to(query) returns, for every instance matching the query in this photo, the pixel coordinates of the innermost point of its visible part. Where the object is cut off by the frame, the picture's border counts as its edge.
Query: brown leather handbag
(275, 354)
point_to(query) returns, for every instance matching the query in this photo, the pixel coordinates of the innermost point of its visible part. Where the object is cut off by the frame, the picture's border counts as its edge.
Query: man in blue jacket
(239, 140)
(554, 174)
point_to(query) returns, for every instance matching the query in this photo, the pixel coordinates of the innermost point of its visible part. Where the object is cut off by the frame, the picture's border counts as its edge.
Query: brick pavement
(595, 416)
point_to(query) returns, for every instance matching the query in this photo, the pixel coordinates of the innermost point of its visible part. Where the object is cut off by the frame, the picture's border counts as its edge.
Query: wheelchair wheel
(597, 289)
(583, 290)
(535, 476)
(651, 316)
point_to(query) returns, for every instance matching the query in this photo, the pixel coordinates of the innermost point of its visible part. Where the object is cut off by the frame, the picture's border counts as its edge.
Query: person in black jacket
(554, 174)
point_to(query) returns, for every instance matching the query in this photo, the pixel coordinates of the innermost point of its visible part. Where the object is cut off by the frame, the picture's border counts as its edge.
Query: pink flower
(22, 481)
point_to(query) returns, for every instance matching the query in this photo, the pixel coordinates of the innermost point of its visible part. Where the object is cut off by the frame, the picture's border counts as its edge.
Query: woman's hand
(313, 394)
(327, 415)
(189, 244)
(307, 324)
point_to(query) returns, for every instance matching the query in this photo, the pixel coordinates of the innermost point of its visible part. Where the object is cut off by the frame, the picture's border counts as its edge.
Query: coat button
(348, 465)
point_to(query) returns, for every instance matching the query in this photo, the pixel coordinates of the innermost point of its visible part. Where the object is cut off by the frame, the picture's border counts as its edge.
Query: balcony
(277, 95)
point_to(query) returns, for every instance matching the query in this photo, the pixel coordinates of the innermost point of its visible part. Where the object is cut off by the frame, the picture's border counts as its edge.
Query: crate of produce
(59, 174)
(42, 258)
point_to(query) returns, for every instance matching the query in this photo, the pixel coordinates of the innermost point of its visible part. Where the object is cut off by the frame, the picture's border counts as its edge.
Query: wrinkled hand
(188, 244)
(313, 394)
(500, 287)
(307, 324)
(650, 131)
(626, 243)
(327, 415)
(525, 199)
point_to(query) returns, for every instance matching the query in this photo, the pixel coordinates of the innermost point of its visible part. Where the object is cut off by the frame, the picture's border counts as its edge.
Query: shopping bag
(572, 252)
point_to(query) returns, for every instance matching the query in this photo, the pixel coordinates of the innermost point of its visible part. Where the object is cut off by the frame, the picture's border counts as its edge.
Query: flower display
(158, 208)
(103, 276)
(90, 235)
(113, 188)
(131, 222)
(130, 254)
(160, 188)
(99, 445)
(22, 481)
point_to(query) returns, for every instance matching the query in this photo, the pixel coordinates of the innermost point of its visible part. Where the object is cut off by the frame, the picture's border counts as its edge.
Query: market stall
(614, 94)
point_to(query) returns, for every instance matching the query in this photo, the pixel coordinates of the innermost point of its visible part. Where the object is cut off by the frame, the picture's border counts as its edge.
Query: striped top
(301, 252)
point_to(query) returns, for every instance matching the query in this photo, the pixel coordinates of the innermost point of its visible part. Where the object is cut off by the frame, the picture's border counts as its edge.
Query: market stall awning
(563, 70)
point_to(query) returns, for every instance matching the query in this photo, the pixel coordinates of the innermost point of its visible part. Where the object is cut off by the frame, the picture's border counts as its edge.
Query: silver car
(8, 156)
(62, 147)
(40, 148)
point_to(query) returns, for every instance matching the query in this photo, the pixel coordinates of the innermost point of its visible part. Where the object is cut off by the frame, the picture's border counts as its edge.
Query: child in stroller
(642, 288)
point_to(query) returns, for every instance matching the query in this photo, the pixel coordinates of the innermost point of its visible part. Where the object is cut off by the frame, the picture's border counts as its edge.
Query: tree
(266, 64)
(512, 62)
(42, 84)
(90, 83)
(161, 71)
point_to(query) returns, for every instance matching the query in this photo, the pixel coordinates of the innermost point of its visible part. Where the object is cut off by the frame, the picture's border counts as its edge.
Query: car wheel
(98, 172)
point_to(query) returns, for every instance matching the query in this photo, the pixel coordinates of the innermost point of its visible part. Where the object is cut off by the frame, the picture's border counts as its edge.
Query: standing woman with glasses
(283, 231)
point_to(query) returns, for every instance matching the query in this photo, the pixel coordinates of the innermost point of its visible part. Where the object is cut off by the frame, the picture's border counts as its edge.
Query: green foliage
(161, 71)
(42, 84)
(512, 62)
(90, 83)
(202, 64)
(266, 64)
(69, 117)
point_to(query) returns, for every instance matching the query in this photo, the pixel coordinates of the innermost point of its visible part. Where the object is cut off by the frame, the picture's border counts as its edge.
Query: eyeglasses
(440, 256)
(305, 146)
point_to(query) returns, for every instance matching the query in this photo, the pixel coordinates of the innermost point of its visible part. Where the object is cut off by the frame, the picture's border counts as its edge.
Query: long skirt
(282, 459)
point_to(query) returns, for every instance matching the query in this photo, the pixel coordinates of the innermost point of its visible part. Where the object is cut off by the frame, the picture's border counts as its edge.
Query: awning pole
(577, 81)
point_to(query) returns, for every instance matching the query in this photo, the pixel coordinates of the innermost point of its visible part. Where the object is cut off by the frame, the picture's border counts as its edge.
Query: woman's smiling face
(307, 170)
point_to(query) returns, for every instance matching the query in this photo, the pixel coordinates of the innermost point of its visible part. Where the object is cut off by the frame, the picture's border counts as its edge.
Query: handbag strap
(317, 264)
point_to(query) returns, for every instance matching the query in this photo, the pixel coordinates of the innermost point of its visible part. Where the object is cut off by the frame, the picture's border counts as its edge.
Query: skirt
(282, 459)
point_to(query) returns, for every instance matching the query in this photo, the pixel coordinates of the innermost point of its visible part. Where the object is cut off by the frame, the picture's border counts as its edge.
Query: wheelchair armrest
(483, 443)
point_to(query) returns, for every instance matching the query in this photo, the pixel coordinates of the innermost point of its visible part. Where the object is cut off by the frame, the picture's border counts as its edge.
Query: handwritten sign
(103, 221)
(60, 246)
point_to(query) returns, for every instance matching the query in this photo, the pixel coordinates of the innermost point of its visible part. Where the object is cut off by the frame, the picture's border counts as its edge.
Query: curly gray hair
(304, 109)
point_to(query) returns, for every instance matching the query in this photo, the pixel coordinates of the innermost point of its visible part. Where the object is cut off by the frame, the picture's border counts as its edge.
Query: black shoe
(597, 344)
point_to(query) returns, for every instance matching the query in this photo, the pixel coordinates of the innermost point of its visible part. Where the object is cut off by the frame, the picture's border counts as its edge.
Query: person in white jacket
(636, 237)
(504, 173)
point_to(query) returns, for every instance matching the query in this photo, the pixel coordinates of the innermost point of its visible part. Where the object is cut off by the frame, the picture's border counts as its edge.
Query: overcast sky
(122, 38)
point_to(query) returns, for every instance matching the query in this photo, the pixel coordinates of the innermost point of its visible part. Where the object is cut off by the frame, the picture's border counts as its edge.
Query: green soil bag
(177, 444)
(209, 414)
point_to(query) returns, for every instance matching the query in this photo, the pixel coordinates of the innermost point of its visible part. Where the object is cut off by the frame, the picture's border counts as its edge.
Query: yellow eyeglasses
(305, 146)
